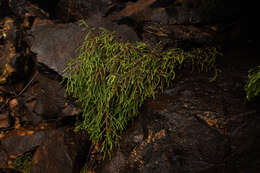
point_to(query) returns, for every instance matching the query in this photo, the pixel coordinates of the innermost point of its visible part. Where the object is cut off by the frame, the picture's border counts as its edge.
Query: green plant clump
(23, 163)
(112, 79)
(252, 87)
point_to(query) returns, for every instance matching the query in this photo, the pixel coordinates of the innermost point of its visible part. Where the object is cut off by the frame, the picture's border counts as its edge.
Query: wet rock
(61, 152)
(17, 144)
(54, 44)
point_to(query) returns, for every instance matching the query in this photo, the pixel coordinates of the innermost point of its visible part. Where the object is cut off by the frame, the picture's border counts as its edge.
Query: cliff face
(194, 126)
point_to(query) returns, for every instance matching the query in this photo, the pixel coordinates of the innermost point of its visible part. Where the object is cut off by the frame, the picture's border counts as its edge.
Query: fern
(252, 87)
(112, 79)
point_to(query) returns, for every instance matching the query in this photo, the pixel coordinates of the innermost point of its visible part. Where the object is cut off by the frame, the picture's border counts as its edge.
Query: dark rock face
(190, 129)
(3, 159)
(24, 8)
(61, 152)
(16, 59)
(9, 171)
(49, 96)
(20, 144)
(72, 10)
(4, 120)
(55, 44)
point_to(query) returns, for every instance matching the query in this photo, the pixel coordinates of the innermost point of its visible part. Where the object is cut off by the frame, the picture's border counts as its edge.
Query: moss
(23, 163)
(252, 87)
(112, 79)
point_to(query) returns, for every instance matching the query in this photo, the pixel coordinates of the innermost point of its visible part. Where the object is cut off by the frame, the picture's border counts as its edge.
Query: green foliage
(23, 163)
(252, 87)
(112, 79)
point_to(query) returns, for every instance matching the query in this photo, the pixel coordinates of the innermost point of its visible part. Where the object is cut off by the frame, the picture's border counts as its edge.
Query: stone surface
(23, 8)
(61, 152)
(4, 120)
(45, 100)
(193, 127)
(9, 171)
(3, 159)
(55, 44)
(16, 62)
(72, 10)
(17, 144)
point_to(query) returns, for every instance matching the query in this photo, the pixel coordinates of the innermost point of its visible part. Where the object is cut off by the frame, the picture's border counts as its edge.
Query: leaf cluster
(252, 87)
(112, 79)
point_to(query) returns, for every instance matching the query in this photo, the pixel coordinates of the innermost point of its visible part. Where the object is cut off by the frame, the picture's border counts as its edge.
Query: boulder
(73, 10)
(63, 151)
(17, 144)
(4, 120)
(55, 44)
(3, 159)
(16, 59)
(191, 128)
(45, 100)
(9, 171)
(24, 8)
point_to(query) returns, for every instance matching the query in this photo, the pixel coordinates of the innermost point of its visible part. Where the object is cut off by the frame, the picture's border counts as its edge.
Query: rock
(4, 8)
(3, 159)
(54, 44)
(13, 103)
(24, 8)
(132, 9)
(17, 144)
(160, 15)
(61, 152)
(44, 99)
(4, 120)
(122, 31)
(16, 62)
(188, 129)
(177, 36)
(8, 170)
(73, 10)
(184, 16)
(117, 162)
